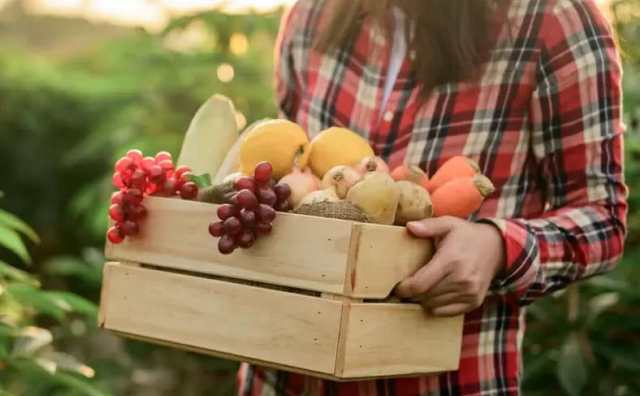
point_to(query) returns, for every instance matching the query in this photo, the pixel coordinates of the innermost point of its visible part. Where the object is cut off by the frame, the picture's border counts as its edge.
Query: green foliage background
(66, 116)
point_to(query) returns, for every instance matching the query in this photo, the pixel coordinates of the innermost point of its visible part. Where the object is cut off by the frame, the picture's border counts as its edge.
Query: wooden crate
(309, 298)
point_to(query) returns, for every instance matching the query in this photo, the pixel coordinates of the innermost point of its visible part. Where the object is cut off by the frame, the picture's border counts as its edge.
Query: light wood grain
(303, 251)
(282, 328)
(398, 339)
(385, 256)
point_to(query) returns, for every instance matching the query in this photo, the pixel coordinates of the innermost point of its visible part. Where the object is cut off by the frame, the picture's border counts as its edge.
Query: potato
(414, 203)
(376, 194)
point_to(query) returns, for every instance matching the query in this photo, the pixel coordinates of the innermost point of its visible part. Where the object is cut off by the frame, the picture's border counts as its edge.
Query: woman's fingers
(452, 309)
(423, 280)
(436, 227)
(442, 300)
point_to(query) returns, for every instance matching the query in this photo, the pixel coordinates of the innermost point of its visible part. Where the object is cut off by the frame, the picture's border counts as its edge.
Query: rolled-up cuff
(521, 258)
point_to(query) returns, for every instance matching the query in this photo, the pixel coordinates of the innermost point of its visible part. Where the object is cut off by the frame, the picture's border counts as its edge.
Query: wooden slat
(303, 252)
(399, 339)
(385, 255)
(255, 323)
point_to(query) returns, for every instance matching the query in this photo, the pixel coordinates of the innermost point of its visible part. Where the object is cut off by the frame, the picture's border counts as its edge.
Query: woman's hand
(457, 278)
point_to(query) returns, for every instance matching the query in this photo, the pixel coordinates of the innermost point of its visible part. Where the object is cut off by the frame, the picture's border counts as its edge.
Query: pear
(378, 195)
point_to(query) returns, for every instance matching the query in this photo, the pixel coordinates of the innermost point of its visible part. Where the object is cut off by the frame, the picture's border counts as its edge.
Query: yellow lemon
(337, 146)
(282, 143)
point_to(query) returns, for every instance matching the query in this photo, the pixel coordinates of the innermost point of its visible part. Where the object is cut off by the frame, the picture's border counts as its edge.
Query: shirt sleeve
(286, 77)
(575, 118)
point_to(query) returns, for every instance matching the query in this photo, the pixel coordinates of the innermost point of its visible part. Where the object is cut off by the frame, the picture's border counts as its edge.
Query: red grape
(225, 211)
(232, 226)
(116, 213)
(263, 173)
(115, 235)
(263, 228)
(248, 218)
(226, 244)
(147, 163)
(283, 191)
(234, 200)
(166, 165)
(246, 239)
(135, 156)
(169, 187)
(189, 190)
(156, 174)
(124, 164)
(130, 228)
(181, 170)
(133, 196)
(117, 180)
(138, 179)
(216, 229)
(266, 196)
(245, 183)
(162, 156)
(117, 197)
(266, 213)
(247, 199)
(283, 206)
(137, 212)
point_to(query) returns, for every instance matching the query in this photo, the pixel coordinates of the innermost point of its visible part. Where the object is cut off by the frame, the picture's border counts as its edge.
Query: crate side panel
(385, 256)
(283, 328)
(303, 252)
(399, 339)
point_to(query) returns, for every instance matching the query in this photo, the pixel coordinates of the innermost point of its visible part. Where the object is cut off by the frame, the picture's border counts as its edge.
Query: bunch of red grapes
(136, 177)
(251, 211)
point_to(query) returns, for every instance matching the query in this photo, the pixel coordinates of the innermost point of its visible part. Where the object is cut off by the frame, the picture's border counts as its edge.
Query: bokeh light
(238, 44)
(225, 72)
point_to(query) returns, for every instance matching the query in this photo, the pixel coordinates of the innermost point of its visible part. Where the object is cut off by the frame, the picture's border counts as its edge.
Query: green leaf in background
(75, 303)
(39, 301)
(80, 385)
(12, 273)
(10, 239)
(572, 370)
(10, 221)
(201, 180)
(30, 340)
(72, 266)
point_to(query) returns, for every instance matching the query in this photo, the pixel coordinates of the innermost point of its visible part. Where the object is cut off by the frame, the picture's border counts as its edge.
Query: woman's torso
(486, 120)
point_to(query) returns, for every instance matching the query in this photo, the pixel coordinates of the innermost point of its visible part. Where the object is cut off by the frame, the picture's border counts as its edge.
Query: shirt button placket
(388, 116)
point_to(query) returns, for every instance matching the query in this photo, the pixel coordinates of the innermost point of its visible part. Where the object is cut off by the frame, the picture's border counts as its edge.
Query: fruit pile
(251, 210)
(337, 175)
(137, 176)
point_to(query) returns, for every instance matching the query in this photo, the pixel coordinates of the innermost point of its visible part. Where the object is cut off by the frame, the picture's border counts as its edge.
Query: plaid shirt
(543, 122)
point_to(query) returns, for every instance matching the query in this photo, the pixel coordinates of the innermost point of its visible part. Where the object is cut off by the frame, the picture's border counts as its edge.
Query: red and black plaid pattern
(543, 122)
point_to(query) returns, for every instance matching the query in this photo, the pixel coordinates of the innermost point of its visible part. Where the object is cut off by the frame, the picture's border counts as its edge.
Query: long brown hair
(451, 38)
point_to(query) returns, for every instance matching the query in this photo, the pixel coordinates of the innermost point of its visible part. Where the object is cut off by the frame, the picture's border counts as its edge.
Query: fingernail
(416, 227)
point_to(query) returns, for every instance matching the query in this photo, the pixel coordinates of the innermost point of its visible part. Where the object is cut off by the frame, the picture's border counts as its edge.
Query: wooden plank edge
(352, 259)
(257, 362)
(342, 336)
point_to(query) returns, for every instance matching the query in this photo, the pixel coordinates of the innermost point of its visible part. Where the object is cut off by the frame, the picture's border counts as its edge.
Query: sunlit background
(83, 81)
(152, 14)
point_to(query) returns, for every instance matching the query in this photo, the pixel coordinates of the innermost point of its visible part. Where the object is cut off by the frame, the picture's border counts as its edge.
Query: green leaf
(80, 385)
(13, 222)
(74, 302)
(571, 370)
(39, 301)
(12, 273)
(69, 363)
(70, 266)
(10, 239)
(202, 181)
(30, 340)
